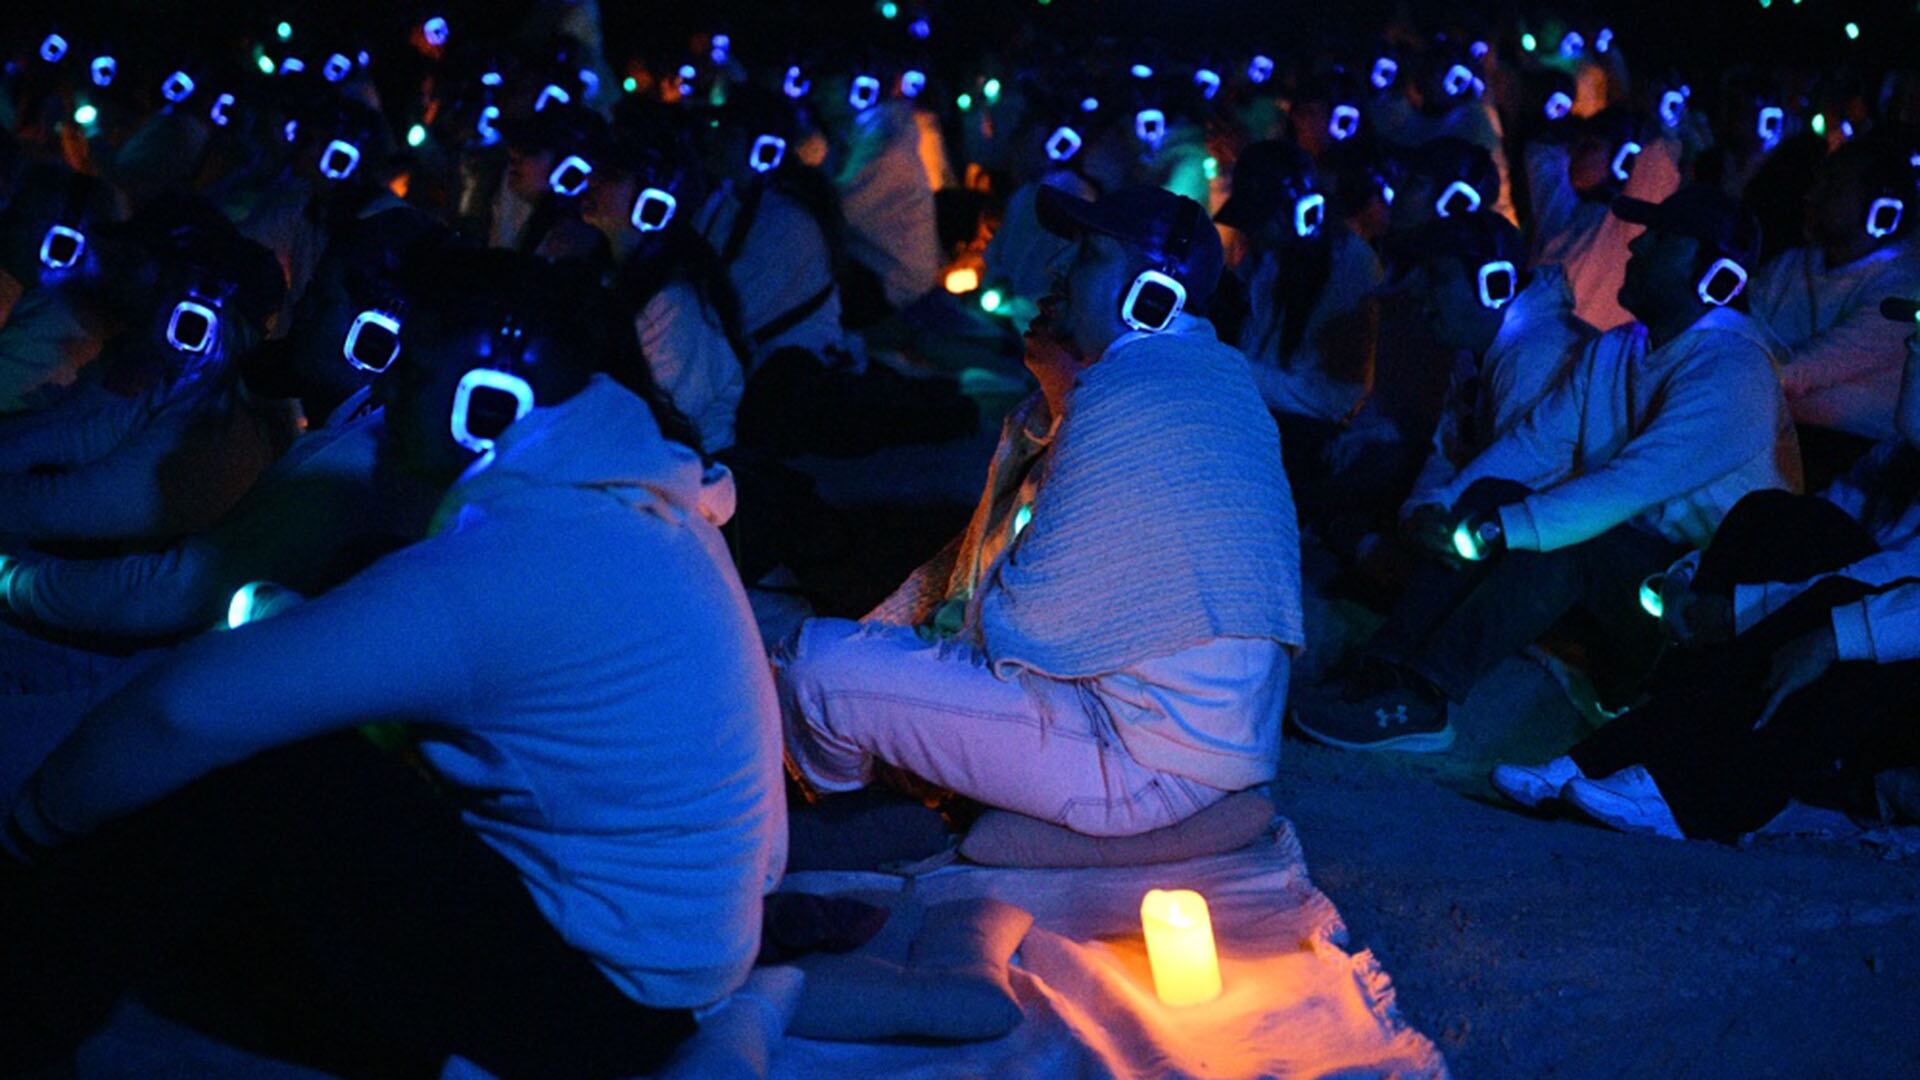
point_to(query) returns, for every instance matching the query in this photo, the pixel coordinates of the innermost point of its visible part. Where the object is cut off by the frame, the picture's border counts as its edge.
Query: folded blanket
(1004, 838)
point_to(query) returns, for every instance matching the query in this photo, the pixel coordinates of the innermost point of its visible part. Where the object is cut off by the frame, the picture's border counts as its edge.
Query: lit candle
(1179, 934)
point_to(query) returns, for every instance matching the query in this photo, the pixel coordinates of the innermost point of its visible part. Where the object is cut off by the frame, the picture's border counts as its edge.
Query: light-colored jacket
(1843, 361)
(1330, 372)
(1582, 236)
(693, 361)
(1668, 439)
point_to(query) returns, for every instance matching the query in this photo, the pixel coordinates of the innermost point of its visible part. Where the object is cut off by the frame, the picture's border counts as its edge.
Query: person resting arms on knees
(1659, 429)
(1122, 610)
(1802, 627)
(574, 659)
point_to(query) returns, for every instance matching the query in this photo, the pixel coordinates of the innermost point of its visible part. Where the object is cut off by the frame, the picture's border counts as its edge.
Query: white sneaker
(1628, 800)
(1531, 785)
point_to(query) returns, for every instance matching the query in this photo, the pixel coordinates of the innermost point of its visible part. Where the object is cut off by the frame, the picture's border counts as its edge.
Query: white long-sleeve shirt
(783, 265)
(1538, 341)
(572, 649)
(888, 203)
(693, 361)
(1582, 236)
(1668, 439)
(1843, 361)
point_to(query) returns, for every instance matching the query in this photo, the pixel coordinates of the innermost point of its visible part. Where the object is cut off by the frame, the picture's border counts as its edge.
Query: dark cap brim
(1067, 215)
(1637, 211)
(1244, 213)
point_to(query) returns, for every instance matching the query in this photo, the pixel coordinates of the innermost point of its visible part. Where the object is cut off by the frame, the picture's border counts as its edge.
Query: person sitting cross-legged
(1121, 613)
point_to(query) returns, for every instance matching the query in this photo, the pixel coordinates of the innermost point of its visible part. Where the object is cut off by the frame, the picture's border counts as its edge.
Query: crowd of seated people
(378, 422)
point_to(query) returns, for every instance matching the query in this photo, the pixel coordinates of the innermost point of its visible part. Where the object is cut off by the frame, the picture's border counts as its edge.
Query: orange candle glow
(962, 279)
(1186, 970)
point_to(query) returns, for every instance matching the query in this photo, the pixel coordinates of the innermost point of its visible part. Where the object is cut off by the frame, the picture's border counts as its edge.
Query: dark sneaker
(1399, 718)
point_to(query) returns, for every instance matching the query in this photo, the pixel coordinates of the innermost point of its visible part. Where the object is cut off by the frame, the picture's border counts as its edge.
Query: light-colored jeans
(851, 692)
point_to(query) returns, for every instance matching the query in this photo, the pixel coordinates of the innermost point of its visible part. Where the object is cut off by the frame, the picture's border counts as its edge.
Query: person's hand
(1430, 528)
(1797, 665)
(1482, 533)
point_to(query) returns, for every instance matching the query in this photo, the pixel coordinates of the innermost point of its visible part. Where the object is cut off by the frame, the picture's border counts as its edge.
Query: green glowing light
(284, 31)
(991, 300)
(889, 10)
(1853, 31)
(991, 91)
(258, 600)
(1021, 518)
(416, 135)
(964, 101)
(85, 115)
(1650, 597)
(630, 84)
(1820, 124)
(1764, 4)
(1529, 42)
(1211, 167)
(266, 65)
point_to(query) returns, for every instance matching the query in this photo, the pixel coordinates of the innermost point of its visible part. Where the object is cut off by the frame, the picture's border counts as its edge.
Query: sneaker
(1400, 718)
(1628, 800)
(1531, 785)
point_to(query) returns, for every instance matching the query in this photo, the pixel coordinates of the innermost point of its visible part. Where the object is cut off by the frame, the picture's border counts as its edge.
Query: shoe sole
(1607, 818)
(1514, 796)
(1426, 742)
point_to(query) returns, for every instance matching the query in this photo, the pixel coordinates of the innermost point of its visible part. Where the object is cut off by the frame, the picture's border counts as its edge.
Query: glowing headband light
(1508, 278)
(569, 178)
(767, 153)
(1150, 126)
(61, 247)
(1385, 70)
(484, 126)
(796, 85)
(1462, 189)
(1603, 41)
(1882, 208)
(653, 210)
(864, 93)
(190, 315)
(1772, 122)
(1573, 44)
(379, 321)
(1308, 215)
(1259, 70)
(1457, 81)
(1344, 124)
(1063, 144)
(336, 68)
(103, 69)
(1673, 107)
(550, 94)
(178, 87)
(1208, 81)
(339, 159)
(1558, 105)
(486, 379)
(912, 82)
(53, 48)
(1722, 266)
(435, 31)
(1623, 161)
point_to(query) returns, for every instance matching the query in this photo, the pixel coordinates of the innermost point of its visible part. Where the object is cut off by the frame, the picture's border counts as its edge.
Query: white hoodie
(1583, 236)
(1668, 439)
(572, 648)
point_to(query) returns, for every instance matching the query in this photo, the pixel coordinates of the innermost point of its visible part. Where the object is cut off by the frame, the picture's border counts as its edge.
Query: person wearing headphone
(1574, 172)
(1512, 332)
(1798, 667)
(50, 244)
(575, 663)
(1843, 364)
(536, 208)
(885, 196)
(644, 189)
(1108, 644)
(1309, 332)
(1442, 177)
(1446, 97)
(1659, 429)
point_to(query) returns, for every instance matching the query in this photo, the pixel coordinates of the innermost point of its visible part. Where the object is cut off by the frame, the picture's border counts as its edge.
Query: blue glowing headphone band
(380, 320)
(1309, 214)
(196, 308)
(864, 92)
(1771, 124)
(1462, 189)
(645, 202)
(1489, 271)
(912, 83)
(1208, 81)
(1720, 266)
(1885, 203)
(1457, 81)
(1624, 159)
(1559, 105)
(550, 94)
(103, 69)
(767, 153)
(1063, 144)
(1673, 108)
(558, 177)
(1259, 69)
(53, 48)
(1385, 70)
(490, 379)
(338, 150)
(1150, 126)
(796, 84)
(1344, 123)
(178, 87)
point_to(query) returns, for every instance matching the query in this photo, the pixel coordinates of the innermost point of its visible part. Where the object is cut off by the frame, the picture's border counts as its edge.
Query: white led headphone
(1063, 144)
(64, 242)
(1150, 127)
(1458, 189)
(1343, 123)
(1723, 281)
(1624, 159)
(372, 343)
(1155, 298)
(482, 383)
(653, 209)
(864, 92)
(339, 160)
(1559, 105)
(767, 153)
(569, 178)
(1499, 284)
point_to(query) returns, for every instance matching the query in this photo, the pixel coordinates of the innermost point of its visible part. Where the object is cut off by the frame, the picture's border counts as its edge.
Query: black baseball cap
(1705, 213)
(1268, 176)
(1475, 239)
(1155, 220)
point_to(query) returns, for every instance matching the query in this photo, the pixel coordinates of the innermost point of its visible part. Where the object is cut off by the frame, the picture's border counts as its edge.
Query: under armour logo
(1397, 716)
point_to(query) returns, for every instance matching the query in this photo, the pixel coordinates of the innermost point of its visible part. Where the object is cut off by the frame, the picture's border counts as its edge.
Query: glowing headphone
(1150, 126)
(796, 84)
(1457, 81)
(550, 94)
(339, 160)
(1063, 144)
(103, 69)
(53, 48)
(489, 135)
(194, 325)
(336, 68)
(1723, 281)
(653, 209)
(177, 88)
(1385, 70)
(1309, 214)
(1624, 160)
(1155, 298)
(767, 153)
(1573, 44)
(1673, 107)
(64, 243)
(373, 341)
(1499, 284)
(1458, 189)
(569, 178)
(912, 82)
(864, 92)
(483, 394)
(1883, 217)
(1559, 105)
(1771, 125)
(1208, 81)
(435, 31)
(1259, 69)
(1344, 124)
(219, 113)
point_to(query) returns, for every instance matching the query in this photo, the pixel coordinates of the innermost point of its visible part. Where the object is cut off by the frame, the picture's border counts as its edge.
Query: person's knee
(818, 656)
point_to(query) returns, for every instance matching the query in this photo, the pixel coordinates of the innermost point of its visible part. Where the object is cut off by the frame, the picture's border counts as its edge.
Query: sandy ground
(1538, 946)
